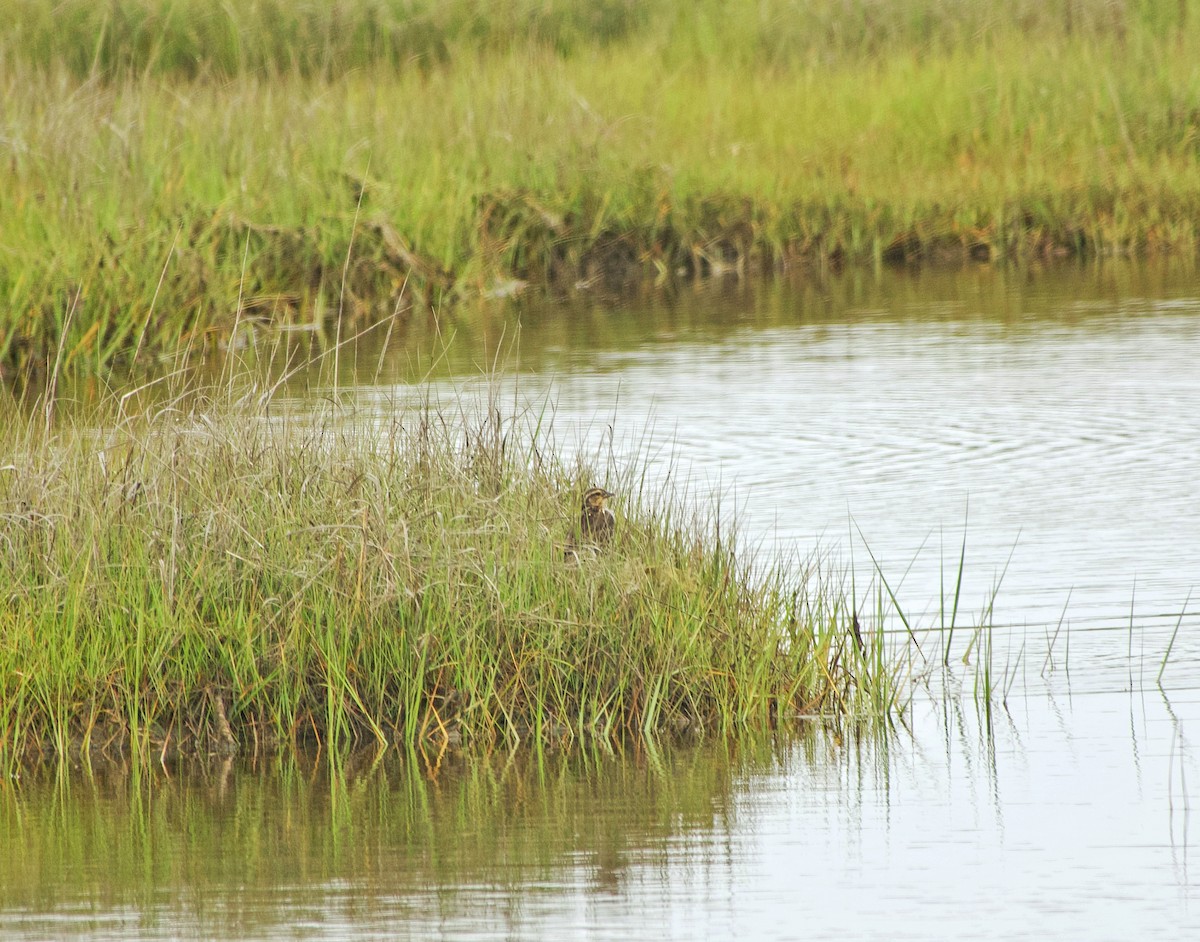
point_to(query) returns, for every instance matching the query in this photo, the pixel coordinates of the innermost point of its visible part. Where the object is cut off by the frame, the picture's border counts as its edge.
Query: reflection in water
(563, 335)
(421, 838)
(1072, 812)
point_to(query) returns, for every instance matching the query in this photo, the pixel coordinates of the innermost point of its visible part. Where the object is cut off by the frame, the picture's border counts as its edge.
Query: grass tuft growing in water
(208, 578)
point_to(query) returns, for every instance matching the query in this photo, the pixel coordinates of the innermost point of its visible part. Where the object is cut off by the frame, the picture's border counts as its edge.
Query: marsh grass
(214, 576)
(173, 169)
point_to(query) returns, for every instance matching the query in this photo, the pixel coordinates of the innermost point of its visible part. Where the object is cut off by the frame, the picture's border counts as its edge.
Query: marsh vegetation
(173, 168)
(220, 578)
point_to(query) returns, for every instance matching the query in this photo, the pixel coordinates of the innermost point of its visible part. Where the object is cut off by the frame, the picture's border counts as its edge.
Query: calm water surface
(1052, 421)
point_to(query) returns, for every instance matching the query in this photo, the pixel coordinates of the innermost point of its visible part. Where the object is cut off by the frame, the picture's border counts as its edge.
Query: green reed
(201, 578)
(175, 168)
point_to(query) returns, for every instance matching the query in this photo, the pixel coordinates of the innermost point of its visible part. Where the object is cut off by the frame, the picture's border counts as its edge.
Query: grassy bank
(173, 168)
(180, 582)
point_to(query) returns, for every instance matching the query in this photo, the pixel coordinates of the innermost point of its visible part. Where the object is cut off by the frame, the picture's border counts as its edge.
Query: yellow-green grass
(158, 183)
(212, 578)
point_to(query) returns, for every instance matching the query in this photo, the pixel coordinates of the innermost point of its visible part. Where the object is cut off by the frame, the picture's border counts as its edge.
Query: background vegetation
(170, 167)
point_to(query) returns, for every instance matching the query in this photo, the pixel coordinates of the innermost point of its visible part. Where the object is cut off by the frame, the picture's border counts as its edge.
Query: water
(1071, 817)
(1050, 420)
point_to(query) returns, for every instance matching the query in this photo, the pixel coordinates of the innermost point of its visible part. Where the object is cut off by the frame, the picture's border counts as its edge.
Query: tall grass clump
(218, 578)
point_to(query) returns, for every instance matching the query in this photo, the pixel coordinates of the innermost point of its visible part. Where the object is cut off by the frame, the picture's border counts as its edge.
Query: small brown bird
(596, 526)
(596, 522)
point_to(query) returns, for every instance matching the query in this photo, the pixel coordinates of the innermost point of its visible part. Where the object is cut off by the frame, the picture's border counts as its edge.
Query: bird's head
(595, 498)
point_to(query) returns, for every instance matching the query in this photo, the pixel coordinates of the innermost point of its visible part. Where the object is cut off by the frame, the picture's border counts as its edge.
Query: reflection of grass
(400, 828)
(296, 164)
(181, 581)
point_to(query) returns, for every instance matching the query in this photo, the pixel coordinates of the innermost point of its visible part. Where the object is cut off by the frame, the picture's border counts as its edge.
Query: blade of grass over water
(962, 561)
(891, 594)
(212, 576)
(1051, 642)
(1171, 644)
(1129, 650)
